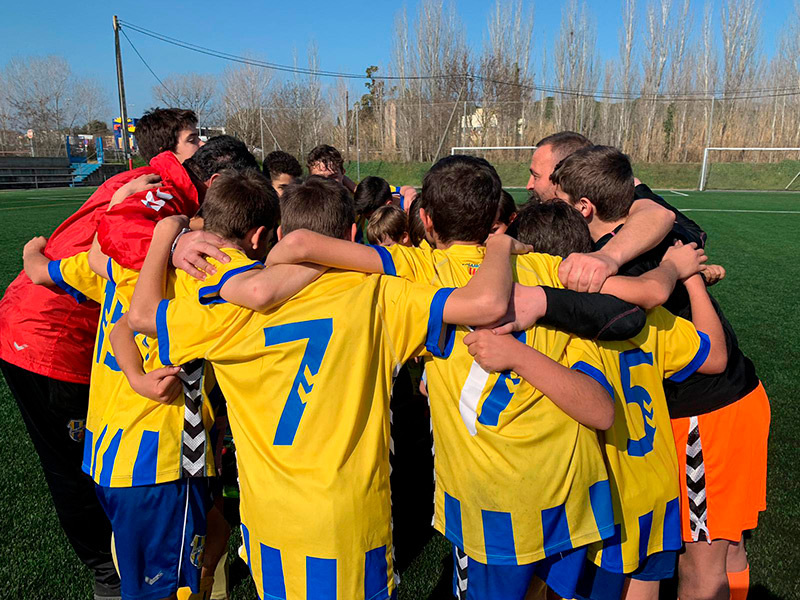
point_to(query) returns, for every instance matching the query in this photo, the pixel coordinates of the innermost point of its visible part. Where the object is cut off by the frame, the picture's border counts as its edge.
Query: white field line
(679, 194)
(734, 210)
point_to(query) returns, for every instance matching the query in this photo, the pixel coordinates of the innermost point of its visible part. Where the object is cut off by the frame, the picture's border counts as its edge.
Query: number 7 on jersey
(318, 333)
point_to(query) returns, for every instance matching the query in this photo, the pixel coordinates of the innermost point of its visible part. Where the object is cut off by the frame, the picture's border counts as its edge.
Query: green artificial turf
(759, 295)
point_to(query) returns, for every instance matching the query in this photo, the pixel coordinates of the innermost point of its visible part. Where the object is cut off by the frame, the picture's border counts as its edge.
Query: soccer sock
(739, 584)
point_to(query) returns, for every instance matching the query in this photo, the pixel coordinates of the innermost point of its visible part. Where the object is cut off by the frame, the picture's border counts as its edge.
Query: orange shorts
(722, 457)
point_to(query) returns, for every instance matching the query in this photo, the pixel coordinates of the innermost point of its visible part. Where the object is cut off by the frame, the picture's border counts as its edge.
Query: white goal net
(750, 169)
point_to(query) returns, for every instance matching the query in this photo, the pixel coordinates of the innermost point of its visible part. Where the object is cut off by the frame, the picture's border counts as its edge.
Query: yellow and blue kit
(517, 480)
(640, 452)
(312, 437)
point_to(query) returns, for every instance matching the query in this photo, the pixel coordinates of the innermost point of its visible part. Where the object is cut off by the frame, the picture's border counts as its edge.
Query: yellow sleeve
(414, 264)
(684, 349)
(74, 275)
(537, 269)
(413, 318)
(584, 356)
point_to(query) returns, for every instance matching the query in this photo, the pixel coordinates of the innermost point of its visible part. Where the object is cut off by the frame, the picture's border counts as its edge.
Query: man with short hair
(282, 169)
(46, 342)
(647, 223)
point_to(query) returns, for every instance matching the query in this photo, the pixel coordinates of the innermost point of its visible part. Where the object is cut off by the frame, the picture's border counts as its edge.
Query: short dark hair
(239, 201)
(371, 194)
(327, 155)
(552, 228)
(219, 153)
(280, 162)
(387, 222)
(507, 208)
(602, 174)
(416, 229)
(319, 204)
(564, 143)
(461, 196)
(157, 131)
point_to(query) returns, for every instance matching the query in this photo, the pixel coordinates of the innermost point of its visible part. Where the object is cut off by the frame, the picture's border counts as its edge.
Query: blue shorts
(159, 535)
(560, 572)
(601, 584)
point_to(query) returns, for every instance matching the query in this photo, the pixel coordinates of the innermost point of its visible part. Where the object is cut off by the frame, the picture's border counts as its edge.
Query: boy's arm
(151, 285)
(161, 385)
(654, 287)
(98, 261)
(35, 263)
(647, 224)
(261, 289)
(306, 246)
(705, 319)
(578, 395)
(485, 298)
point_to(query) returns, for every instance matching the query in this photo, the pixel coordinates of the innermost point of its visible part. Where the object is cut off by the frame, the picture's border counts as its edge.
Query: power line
(153, 73)
(688, 96)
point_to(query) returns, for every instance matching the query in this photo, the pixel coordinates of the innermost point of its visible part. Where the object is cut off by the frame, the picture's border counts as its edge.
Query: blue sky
(350, 35)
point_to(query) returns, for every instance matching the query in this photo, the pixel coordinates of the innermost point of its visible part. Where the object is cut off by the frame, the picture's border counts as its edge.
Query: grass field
(754, 235)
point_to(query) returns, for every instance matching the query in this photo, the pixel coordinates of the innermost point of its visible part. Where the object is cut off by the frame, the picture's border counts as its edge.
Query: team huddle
(596, 428)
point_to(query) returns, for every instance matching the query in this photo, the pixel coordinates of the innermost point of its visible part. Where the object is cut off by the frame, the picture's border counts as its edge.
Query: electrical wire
(172, 96)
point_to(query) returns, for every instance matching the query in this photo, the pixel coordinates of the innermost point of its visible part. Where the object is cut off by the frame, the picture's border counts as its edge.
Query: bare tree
(740, 23)
(245, 92)
(192, 91)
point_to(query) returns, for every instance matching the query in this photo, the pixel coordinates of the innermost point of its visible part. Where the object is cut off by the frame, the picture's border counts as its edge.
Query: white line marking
(733, 210)
(679, 194)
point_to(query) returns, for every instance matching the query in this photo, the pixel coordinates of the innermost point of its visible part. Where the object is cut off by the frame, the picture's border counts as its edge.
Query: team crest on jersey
(471, 267)
(198, 547)
(76, 428)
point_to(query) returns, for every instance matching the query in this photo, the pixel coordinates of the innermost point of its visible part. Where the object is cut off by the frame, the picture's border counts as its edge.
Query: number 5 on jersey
(318, 333)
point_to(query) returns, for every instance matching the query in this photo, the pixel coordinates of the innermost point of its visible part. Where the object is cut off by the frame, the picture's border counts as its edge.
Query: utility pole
(123, 111)
(347, 124)
(261, 127)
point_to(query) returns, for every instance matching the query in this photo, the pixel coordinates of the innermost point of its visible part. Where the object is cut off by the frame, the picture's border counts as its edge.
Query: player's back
(639, 447)
(307, 386)
(496, 427)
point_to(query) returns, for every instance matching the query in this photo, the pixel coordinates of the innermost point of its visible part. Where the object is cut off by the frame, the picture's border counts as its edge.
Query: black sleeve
(694, 231)
(593, 316)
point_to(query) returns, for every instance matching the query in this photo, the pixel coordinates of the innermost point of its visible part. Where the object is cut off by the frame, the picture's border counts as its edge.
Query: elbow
(657, 294)
(664, 217)
(716, 362)
(605, 419)
(139, 320)
(490, 308)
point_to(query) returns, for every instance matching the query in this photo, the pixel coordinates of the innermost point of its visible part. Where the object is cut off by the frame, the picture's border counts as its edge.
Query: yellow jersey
(639, 447)
(307, 386)
(131, 440)
(86, 283)
(517, 480)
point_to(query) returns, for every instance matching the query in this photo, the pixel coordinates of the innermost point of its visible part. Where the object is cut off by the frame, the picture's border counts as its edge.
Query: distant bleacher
(24, 172)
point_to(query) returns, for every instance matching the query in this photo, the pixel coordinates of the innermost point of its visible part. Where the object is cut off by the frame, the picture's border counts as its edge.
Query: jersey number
(639, 396)
(318, 333)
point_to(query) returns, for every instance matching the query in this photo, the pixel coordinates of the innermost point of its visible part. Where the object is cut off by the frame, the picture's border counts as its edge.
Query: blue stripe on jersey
(672, 526)
(555, 529)
(110, 271)
(109, 456)
(611, 559)
(144, 468)
(497, 400)
(595, 374)
(697, 361)
(54, 270)
(498, 537)
(96, 450)
(321, 578)
(272, 573)
(246, 542)
(435, 324)
(108, 298)
(452, 520)
(162, 332)
(210, 294)
(645, 525)
(87, 450)
(376, 574)
(386, 260)
(600, 499)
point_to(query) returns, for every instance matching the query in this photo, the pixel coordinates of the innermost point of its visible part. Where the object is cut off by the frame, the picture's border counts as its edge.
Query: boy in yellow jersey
(639, 451)
(313, 461)
(157, 471)
(521, 486)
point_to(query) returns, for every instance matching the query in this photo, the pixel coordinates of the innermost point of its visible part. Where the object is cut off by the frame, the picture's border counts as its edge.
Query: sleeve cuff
(210, 294)
(438, 347)
(595, 374)
(54, 270)
(387, 260)
(698, 360)
(162, 332)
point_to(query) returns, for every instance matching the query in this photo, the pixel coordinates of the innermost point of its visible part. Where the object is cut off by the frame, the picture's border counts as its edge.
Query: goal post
(705, 167)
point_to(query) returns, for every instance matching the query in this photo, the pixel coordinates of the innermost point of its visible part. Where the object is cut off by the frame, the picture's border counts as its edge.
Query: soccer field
(753, 235)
